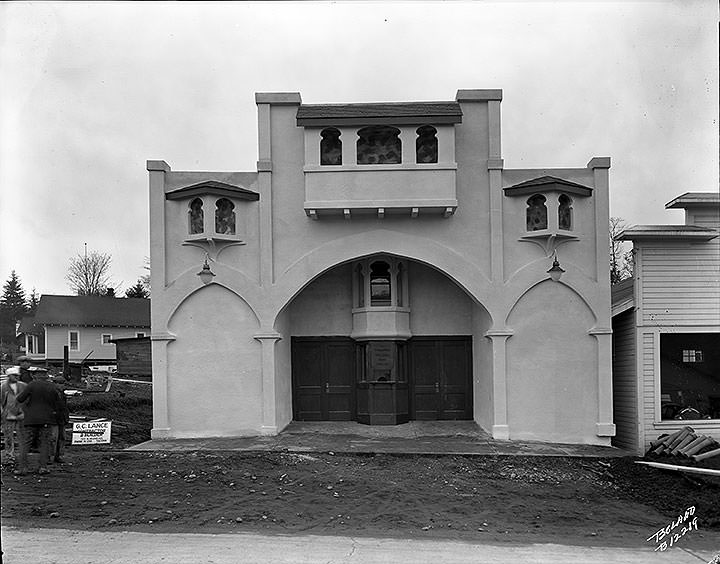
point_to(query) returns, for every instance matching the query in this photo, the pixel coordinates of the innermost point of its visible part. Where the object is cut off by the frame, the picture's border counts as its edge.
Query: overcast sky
(90, 91)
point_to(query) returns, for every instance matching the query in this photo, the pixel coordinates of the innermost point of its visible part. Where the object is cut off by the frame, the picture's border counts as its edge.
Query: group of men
(33, 409)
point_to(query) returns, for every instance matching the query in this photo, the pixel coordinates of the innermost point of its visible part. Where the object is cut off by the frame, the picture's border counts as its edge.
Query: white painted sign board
(91, 432)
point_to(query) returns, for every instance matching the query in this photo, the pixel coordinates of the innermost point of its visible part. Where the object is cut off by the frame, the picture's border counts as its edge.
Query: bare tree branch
(88, 275)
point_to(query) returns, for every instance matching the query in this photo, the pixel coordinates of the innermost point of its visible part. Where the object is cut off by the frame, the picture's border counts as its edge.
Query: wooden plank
(676, 468)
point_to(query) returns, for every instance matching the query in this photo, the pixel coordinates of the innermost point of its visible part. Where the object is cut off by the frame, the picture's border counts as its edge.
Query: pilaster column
(161, 419)
(269, 400)
(605, 426)
(500, 427)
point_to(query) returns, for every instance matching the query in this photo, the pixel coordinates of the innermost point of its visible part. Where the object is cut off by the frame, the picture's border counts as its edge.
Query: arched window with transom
(536, 214)
(426, 145)
(330, 147)
(380, 283)
(196, 218)
(565, 218)
(379, 144)
(224, 217)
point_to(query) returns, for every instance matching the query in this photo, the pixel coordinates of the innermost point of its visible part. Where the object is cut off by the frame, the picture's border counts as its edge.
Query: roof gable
(547, 183)
(212, 187)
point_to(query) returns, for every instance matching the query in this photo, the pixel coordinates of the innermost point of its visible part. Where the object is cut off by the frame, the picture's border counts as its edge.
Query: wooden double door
(325, 372)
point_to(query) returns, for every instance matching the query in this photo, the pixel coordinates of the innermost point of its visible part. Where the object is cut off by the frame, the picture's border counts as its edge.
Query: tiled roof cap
(368, 114)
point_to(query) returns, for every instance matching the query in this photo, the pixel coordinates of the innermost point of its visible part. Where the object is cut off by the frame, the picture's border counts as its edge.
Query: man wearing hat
(25, 373)
(11, 412)
(40, 404)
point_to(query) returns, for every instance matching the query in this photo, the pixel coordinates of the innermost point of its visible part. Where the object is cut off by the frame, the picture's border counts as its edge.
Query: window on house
(330, 147)
(139, 335)
(106, 339)
(380, 284)
(224, 217)
(426, 145)
(536, 213)
(31, 344)
(690, 375)
(565, 212)
(196, 217)
(74, 340)
(379, 145)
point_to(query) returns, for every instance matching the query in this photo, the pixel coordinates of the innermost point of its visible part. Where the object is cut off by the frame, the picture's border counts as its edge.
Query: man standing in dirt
(62, 417)
(40, 402)
(11, 412)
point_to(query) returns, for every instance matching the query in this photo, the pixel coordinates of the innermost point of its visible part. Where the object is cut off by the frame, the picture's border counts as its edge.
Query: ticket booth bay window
(381, 327)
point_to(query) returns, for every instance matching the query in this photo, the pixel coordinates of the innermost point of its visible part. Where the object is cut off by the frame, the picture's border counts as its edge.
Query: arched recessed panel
(552, 367)
(214, 365)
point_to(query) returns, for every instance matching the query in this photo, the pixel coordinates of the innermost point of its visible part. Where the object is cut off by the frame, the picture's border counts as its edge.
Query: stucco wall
(552, 367)
(215, 382)
(437, 305)
(482, 368)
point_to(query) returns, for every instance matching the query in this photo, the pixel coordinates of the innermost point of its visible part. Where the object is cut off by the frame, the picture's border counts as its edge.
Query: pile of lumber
(685, 443)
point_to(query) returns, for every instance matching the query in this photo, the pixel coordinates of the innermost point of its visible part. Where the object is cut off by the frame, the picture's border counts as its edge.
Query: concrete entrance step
(417, 437)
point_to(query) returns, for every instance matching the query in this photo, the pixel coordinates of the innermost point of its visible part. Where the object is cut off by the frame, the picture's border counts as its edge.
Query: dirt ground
(537, 499)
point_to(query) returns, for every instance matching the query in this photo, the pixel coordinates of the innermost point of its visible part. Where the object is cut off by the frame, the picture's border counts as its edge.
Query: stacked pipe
(685, 443)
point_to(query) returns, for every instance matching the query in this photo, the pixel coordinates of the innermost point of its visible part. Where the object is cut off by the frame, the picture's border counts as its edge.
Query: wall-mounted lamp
(555, 271)
(206, 275)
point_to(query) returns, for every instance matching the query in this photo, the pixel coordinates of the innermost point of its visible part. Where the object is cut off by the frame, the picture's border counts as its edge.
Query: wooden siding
(134, 357)
(680, 283)
(647, 373)
(90, 342)
(625, 384)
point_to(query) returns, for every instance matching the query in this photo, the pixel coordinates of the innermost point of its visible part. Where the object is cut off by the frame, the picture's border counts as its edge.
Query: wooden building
(666, 327)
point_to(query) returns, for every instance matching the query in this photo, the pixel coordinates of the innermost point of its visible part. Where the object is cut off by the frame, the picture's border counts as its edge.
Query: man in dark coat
(26, 375)
(40, 404)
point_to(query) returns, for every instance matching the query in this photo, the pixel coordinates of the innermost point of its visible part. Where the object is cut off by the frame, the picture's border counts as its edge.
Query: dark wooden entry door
(323, 375)
(441, 378)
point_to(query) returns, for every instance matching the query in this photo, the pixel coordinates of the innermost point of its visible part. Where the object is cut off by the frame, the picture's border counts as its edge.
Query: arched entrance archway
(383, 340)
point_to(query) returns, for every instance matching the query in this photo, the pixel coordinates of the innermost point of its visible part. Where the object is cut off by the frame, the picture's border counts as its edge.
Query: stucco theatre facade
(381, 265)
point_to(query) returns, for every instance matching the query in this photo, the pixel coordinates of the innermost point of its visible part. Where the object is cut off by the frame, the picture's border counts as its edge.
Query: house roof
(695, 199)
(547, 183)
(95, 311)
(379, 113)
(679, 232)
(622, 296)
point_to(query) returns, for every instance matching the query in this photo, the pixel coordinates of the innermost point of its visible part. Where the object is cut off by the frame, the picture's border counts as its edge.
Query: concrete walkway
(417, 437)
(60, 546)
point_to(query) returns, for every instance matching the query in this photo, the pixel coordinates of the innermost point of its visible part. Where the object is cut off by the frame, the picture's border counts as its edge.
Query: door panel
(441, 378)
(323, 374)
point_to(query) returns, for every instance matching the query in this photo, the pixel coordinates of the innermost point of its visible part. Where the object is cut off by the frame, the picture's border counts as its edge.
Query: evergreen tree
(33, 302)
(12, 309)
(137, 291)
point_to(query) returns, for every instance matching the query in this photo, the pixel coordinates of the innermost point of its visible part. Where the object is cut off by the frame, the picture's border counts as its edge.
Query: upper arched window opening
(426, 145)
(380, 283)
(565, 218)
(536, 214)
(196, 218)
(330, 147)
(379, 145)
(224, 217)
